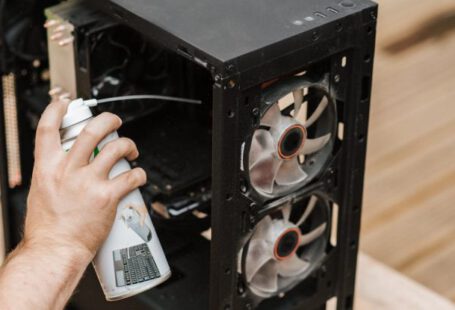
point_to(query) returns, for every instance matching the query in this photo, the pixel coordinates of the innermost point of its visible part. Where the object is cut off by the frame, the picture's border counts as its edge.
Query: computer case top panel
(223, 31)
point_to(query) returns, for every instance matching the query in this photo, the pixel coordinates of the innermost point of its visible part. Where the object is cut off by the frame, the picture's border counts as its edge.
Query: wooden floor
(409, 203)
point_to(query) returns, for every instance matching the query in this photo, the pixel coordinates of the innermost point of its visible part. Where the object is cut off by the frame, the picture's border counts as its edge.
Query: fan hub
(287, 243)
(291, 141)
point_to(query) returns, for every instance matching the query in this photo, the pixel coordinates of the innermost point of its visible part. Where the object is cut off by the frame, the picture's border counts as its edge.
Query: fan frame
(271, 95)
(324, 239)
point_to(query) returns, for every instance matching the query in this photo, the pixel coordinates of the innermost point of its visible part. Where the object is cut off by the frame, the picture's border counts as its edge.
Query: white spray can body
(131, 260)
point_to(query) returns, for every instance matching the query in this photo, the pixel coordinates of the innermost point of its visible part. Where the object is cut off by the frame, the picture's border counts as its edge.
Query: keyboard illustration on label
(134, 265)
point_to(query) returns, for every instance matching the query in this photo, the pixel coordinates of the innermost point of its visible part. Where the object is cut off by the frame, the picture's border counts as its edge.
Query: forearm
(40, 276)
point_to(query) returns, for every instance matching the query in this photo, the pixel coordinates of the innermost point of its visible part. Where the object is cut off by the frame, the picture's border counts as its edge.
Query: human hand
(72, 203)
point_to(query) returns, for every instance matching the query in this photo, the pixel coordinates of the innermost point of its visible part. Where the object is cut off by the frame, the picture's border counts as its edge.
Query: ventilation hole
(240, 287)
(366, 83)
(245, 222)
(184, 52)
(339, 27)
(353, 244)
(228, 197)
(332, 10)
(367, 58)
(230, 114)
(246, 101)
(344, 61)
(319, 14)
(332, 302)
(243, 185)
(207, 234)
(361, 137)
(348, 302)
(340, 131)
(369, 30)
(340, 109)
(335, 178)
(356, 208)
(334, 225)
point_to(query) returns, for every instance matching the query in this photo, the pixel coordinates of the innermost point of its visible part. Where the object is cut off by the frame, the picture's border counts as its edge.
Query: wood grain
(408, 219)
(381, 288)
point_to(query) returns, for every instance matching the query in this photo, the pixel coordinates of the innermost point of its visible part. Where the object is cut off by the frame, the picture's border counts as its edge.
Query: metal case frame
(342, 182)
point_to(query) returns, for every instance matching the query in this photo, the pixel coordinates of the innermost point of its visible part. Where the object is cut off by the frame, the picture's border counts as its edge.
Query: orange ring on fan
(294, 249)
(284, 136)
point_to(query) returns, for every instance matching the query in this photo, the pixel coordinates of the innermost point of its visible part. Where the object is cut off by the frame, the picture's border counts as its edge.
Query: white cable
(95, 102)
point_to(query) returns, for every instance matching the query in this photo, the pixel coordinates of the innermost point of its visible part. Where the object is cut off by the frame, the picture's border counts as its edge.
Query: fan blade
(309, 208)
(261, 143)
(313, 235)
(292, 266)
(298, 99)
(263, 172)
(263, 228)
(317, 113)
(266, 279)
(286, 210)
(314, 145)
(259, 253)
(272, 117)
(290, 173)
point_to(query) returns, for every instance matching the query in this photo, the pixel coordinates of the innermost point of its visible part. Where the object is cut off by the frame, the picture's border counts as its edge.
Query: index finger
(47, 133)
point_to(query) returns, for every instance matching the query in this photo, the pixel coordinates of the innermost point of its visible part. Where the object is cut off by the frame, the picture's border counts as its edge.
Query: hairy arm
(70, 210)
(41, 275)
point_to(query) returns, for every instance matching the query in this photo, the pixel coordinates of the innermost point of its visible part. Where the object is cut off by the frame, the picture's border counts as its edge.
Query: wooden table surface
(408, 219)
(382, 288)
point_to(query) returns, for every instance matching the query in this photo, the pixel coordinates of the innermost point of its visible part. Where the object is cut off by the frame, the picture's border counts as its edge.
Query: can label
(134, 218)
(124, 263)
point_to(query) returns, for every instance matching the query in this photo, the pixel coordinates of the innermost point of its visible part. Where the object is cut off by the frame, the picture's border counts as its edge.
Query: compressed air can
(131, 260)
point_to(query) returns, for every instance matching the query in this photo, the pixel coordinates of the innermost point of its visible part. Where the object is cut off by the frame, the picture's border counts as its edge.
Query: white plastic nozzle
(91, 102)
(78, 111)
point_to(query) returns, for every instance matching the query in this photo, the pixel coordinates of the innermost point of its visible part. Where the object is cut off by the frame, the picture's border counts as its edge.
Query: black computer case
(267, 171)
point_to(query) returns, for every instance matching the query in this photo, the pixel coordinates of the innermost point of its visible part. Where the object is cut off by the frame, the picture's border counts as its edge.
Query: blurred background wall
(409, 202)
